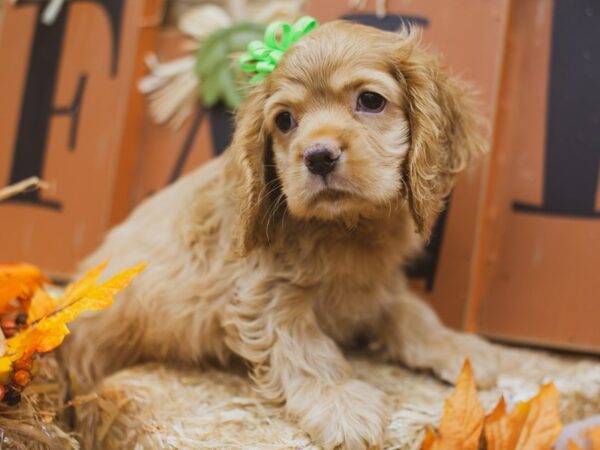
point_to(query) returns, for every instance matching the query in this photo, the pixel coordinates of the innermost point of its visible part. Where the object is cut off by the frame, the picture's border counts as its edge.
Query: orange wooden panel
(167, 153)
(539, 256)
(133, 133)
(67, 126)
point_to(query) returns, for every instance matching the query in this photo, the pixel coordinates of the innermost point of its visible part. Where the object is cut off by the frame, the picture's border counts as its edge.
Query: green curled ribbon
(263, 57)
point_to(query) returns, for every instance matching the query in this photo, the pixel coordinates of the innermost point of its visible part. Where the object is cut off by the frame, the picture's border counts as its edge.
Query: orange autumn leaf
(76, 300)
(428, 440)
(89, 280)
(532, 425)
(462, 421)
(41, 305)
(48, 328)
(5, 369)
(543, 424)
(19, 281)
(594, 434)
(498, 431)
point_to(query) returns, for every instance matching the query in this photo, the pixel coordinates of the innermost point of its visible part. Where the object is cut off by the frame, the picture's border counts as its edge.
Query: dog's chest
(350, 301)
(348, 278)
(354, 302)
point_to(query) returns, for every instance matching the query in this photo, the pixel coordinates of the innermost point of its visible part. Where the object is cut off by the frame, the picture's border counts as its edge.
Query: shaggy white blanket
(153, 406)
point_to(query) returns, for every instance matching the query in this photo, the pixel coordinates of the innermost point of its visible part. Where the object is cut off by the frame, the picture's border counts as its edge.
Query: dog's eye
(284, 121)
(370, 102)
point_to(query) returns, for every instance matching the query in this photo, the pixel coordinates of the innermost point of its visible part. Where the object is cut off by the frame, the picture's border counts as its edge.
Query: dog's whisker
(266, 193)
(279, 203)
(284, 214)
(272, 211)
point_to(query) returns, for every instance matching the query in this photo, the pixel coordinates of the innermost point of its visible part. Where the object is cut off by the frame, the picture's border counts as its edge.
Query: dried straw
(27, 185)
(38, 422)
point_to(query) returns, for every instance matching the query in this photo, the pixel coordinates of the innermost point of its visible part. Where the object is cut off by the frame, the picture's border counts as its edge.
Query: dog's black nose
(321, 159)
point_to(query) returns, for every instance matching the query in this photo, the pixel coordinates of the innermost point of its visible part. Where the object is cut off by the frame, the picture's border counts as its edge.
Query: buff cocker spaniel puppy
(291, 244)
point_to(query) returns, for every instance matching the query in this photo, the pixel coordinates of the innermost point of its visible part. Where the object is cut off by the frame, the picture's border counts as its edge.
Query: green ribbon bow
(263, 57)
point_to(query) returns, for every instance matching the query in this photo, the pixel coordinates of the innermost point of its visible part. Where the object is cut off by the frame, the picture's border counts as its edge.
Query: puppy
(290, 245)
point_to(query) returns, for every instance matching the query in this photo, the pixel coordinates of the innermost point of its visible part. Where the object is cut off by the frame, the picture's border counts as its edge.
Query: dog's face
(352, 123)
(338, 124)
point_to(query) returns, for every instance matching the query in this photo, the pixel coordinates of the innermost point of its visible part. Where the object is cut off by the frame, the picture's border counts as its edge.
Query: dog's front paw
(351, 416)
(483, 356)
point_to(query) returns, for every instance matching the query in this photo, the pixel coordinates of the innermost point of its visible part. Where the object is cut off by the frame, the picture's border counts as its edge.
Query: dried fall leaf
(48, 328)
(573, 446)
(542, 425)
(86, 296)
(462, 421)
(532, 425)
(428, 440)
(5, 369)
(500, 433)
(41, 305)
(79, 288)
(2, 342)
(594, 434)
(19, 281)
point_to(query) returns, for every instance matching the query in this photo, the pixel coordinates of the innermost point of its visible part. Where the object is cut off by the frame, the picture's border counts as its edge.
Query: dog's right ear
(247, 154)
(445, 129)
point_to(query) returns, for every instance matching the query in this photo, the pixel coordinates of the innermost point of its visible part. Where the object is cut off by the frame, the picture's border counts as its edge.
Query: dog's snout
(321, 159)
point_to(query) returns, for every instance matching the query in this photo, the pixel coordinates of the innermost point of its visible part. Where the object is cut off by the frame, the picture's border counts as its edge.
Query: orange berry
(21, 319)
(12, 396)
(9, 328)
(22, 377)
(23, 363)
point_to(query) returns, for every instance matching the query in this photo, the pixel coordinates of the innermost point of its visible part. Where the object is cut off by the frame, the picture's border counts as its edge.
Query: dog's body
(256, 255)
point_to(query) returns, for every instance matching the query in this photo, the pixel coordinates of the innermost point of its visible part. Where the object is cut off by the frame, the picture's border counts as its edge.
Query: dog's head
(354, 121)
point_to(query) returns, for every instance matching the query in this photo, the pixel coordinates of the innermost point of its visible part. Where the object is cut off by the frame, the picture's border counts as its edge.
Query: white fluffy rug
(152, 406)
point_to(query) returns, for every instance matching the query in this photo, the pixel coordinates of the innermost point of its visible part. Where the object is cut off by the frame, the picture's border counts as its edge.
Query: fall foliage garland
(34, 322)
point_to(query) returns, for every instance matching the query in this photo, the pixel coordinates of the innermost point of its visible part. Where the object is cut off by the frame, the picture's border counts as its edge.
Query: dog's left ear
(248, 175)
(445, 130)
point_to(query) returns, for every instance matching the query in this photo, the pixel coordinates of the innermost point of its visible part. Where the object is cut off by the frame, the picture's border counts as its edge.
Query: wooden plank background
(515, 257)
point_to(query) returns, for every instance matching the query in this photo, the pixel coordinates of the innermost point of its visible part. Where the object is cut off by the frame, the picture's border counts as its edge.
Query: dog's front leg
(295, 363)
(413, 335)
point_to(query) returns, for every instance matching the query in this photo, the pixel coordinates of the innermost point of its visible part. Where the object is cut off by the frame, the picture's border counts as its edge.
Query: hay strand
(27, 185)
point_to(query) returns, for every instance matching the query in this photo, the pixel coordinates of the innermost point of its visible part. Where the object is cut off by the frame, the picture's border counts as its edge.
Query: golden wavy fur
(255, 255)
